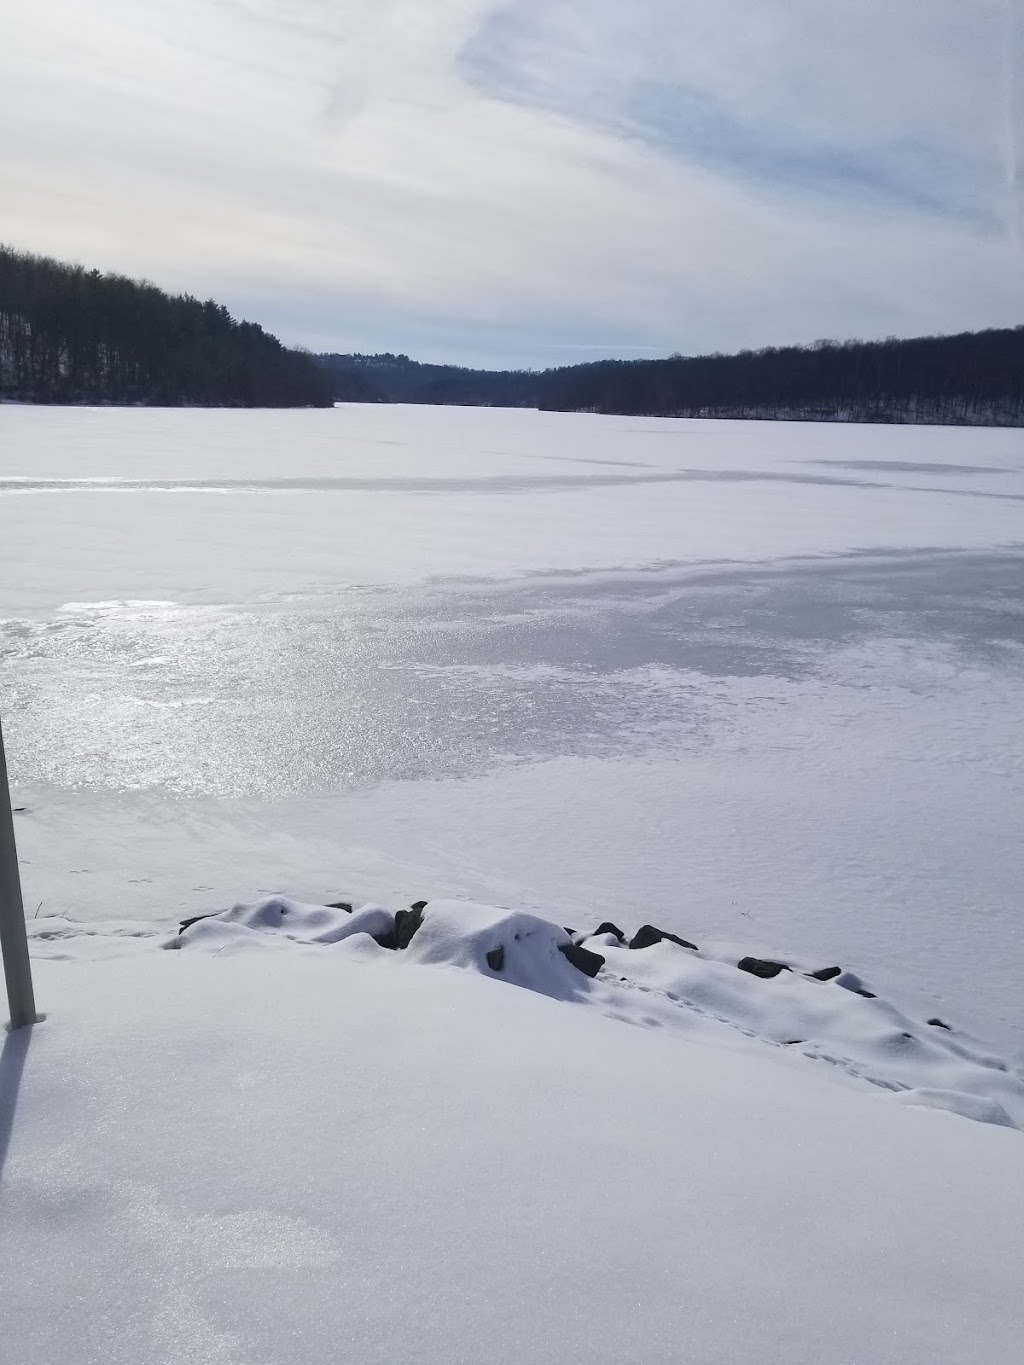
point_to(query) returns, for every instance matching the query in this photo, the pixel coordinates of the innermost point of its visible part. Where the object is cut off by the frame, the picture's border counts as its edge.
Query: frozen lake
(754, 681)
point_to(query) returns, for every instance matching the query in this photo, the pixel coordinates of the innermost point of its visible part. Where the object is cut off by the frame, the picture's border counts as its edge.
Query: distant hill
(974, 378)
(391, 378)
(71, 335)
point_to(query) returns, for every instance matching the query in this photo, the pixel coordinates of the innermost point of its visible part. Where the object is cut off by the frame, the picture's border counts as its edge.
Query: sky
(533, 182)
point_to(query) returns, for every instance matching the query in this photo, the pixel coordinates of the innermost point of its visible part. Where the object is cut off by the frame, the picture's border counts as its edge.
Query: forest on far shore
(974, 378)
(71, 335)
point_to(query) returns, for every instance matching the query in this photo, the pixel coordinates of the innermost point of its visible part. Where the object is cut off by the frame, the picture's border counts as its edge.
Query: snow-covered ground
(759, 685)
(282, 1142)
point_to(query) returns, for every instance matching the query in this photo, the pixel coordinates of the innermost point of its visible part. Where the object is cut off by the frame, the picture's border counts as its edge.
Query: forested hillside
(71, 335)
(388, 378)
(975, 378)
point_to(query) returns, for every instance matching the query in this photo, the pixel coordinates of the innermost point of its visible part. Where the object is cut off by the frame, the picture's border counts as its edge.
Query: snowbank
(264, 1148)
(660, 980)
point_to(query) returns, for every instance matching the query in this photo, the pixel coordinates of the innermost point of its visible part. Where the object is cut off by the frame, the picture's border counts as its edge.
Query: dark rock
(683, 942)
(389, 939)
(825, 973)
(340, 905)
(582, 958)
(185, 923)
(609, 928)
(406, 924)
(762, 967)
(570, 932)
(418, 905)
(496, 958)
(937, 1023)
(851, 983)
(646, 936)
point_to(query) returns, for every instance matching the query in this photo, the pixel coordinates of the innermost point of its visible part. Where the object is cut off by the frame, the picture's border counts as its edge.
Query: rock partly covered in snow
(647, 936)
(517, 947)
(288, 919)
(763, 967)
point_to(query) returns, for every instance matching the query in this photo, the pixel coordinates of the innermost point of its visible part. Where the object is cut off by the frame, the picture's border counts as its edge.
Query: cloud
(520, 182)
(897, 100)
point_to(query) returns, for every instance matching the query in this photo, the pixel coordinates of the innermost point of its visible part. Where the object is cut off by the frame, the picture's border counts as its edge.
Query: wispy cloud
(521, 181)
(896, 101)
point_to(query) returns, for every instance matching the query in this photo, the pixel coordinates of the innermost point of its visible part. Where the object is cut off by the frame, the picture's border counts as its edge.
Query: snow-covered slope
(284, 1142)
(718, 993)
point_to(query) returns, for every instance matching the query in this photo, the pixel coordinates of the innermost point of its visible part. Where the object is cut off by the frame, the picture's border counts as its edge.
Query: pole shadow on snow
(12, 1065)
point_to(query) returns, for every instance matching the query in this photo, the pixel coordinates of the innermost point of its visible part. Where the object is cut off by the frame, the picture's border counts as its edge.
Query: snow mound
(285, 921)
(718, 994)
(838, 1021)
(956, 1102)
(509, 944)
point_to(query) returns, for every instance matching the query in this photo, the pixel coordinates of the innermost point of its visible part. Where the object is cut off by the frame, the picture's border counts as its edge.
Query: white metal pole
(13, 939)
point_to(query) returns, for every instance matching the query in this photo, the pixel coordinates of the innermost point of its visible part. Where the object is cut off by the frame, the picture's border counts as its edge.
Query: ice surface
(423, 493)
(754, 681)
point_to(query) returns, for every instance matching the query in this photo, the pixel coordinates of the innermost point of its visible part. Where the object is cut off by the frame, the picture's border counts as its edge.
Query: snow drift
(823, 1014)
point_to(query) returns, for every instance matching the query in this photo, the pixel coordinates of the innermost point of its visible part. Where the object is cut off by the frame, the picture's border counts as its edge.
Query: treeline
(388, 378)
(71, 335)
(974, 378)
